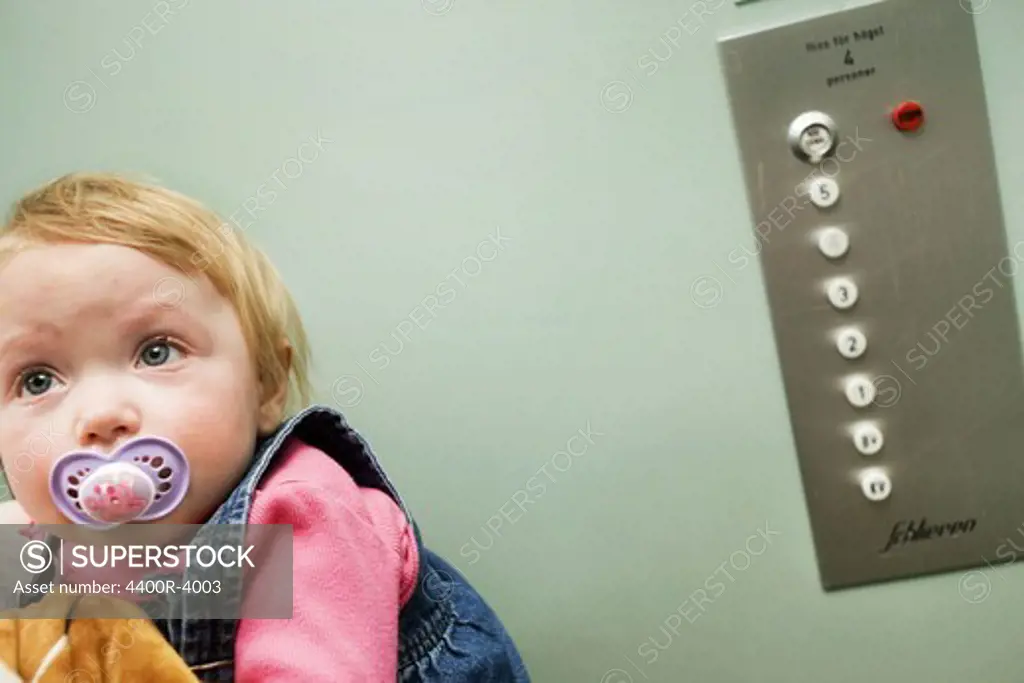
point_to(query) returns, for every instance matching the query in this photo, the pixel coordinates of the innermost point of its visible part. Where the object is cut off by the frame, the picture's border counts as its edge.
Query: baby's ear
(286, 352)
(276, 397)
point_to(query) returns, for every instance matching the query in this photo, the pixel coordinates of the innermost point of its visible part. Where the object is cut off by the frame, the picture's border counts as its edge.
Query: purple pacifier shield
(145, 479)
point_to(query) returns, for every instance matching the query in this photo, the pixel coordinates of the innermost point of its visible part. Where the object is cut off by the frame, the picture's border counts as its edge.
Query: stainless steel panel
(929, 255)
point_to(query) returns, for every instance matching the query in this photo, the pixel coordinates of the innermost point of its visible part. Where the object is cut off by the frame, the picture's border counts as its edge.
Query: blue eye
(157, 353)
(37, 382)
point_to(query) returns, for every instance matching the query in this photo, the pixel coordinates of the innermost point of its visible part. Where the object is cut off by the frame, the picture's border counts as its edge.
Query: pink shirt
(355, 565)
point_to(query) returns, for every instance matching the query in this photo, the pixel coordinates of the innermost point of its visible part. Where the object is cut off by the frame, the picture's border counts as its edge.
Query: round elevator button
(908, 116)
(813, 136)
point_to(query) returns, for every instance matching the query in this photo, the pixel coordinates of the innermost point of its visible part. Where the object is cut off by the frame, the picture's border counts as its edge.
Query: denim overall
(447, 632)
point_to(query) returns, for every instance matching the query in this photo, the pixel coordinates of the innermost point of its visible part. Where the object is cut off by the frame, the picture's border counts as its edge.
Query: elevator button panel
(890, 288)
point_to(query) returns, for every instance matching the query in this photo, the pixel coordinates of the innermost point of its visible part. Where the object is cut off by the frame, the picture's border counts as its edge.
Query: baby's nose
(107, 427)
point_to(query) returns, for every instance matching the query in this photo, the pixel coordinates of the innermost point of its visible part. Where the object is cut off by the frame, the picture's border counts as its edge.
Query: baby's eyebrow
(27, 336)
(155, 318)
(152, 312)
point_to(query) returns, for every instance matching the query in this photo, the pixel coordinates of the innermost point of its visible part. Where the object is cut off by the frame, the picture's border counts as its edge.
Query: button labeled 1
(860, 391)
(875, 485)
(867, 438)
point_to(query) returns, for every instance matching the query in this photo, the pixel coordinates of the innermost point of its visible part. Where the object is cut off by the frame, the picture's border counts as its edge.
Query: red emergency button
(908, 116)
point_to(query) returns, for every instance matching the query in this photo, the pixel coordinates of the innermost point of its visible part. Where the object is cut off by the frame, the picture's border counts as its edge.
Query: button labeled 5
(823, 192)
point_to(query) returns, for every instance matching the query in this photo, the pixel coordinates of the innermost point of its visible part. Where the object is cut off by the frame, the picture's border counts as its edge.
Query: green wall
(447, 123)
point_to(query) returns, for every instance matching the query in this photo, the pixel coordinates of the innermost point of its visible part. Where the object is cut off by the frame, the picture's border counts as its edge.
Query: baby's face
(92, 353)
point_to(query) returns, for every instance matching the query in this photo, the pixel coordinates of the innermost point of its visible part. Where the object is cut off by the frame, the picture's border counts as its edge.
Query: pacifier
(145, 479)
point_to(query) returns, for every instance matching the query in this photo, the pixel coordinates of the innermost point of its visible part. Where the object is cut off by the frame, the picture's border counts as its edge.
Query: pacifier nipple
(145, 479)
(116, 493)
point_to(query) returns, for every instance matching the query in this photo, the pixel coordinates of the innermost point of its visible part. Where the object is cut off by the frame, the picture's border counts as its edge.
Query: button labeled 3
(876, 485)
(851, 343)
(842, 292)
(860, 391)
(867, 438)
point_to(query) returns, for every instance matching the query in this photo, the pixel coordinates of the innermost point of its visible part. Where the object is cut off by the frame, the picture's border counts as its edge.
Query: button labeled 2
(851, 343)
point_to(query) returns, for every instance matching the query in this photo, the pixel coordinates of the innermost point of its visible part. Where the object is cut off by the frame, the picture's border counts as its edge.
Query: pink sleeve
(354, 566)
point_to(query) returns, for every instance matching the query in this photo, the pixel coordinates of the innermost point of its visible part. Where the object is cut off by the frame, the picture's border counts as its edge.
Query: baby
(129, 311)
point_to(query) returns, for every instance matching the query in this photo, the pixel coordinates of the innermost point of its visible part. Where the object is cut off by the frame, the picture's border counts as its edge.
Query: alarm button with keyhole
(908, 116)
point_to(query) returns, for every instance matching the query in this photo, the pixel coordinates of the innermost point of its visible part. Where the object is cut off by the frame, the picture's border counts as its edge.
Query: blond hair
(103, 208)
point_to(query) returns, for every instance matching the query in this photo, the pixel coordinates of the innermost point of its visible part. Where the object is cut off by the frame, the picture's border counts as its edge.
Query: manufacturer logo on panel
(910, 531)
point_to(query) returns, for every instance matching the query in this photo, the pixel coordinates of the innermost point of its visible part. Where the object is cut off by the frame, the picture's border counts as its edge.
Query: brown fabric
(123, 646)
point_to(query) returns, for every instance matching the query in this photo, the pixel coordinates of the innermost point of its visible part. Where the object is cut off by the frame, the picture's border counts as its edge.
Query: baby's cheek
(27, 457)
(216, 430)
(214, 470)
(26, 472)
(33, 494)
(210, 485)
